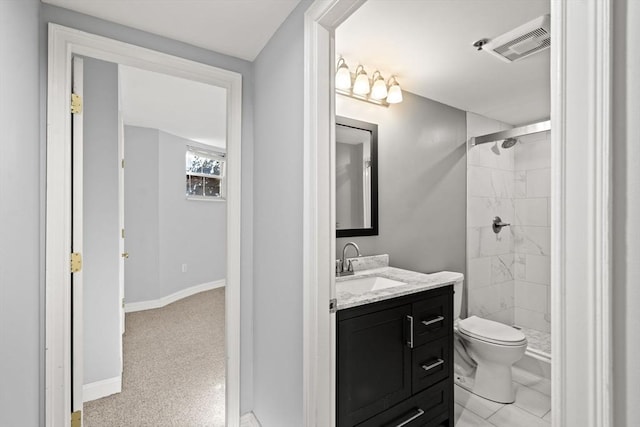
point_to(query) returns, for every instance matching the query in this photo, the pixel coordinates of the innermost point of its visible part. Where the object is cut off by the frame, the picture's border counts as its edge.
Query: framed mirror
(356, 178)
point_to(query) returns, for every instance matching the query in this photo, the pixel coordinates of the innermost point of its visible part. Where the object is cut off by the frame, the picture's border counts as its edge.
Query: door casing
(63, 43)
(581, 271)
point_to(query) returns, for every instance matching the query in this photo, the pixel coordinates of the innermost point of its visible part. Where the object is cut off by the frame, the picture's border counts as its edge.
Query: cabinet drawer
(431, 363)
(433, 318)
(427, 409)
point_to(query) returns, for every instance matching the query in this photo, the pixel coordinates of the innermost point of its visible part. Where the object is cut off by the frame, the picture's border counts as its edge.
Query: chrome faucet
(340, 267)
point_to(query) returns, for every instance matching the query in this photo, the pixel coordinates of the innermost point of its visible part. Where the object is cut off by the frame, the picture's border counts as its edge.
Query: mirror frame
(373, 128)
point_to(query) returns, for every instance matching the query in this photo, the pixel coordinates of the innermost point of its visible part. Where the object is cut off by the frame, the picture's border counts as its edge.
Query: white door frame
(77, 282)
(581, 175)
(63, 43)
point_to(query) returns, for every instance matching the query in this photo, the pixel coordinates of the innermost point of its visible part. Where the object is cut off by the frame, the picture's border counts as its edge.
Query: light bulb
(361, 85)
(343, 76)
(379, 89)
(395, 93)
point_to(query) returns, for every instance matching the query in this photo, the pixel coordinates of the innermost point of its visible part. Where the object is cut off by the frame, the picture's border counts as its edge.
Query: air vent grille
(525, 45)
(524, 41)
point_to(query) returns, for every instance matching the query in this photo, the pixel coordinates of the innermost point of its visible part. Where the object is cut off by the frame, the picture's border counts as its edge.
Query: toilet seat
(491, 332)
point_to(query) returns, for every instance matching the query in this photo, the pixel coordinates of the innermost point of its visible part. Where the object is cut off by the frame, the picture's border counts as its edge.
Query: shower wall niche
(508, 274)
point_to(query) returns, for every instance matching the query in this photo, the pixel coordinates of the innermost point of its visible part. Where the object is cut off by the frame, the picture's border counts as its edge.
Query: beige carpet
(174, 367)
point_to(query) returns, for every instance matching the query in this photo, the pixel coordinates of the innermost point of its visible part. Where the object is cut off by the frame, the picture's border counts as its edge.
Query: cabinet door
(374, 364)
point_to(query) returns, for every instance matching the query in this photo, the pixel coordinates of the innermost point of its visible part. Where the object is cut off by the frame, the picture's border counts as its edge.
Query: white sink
(367, 284)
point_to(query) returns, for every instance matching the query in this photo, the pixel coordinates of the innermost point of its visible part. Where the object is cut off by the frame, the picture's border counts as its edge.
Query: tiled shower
(509, 272)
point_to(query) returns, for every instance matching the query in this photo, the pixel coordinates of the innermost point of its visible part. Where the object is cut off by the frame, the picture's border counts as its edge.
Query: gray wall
(193, 232)
(626, 212)
(141, 214)
(101, 223)
(21, 215)
(421, 183)
(278, 173)
(164, 229)
(48, 13)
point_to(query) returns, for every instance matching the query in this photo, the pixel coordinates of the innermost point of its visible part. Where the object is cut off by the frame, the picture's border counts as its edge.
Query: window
(205, 174)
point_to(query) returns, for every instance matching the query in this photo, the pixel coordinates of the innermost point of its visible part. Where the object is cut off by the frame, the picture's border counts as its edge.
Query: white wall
(490, 187)
(278, 174)
(101, 223)
(626, 212)
(21, 218)
(48, 13)
(509, 272)
(421, 183)
(532, 231)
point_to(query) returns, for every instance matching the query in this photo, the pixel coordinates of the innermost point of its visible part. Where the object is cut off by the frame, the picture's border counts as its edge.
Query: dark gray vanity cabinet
(395, 362)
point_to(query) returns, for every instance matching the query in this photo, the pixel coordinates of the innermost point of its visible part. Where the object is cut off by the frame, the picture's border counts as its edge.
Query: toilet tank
(457, 298)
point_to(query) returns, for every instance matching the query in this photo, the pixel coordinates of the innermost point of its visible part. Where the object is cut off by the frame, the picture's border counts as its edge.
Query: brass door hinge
(122, 233)
(76, 104)
(76, 262)
(122, 163)
(76, 419)
(333, 305)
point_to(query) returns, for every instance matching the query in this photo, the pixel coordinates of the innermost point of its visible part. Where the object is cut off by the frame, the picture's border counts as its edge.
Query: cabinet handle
(410, 342)
(433, 365)
(432, 321)
(418, 414)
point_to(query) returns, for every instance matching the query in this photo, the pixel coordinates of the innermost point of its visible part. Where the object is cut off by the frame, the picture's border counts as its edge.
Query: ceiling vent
(527, 39)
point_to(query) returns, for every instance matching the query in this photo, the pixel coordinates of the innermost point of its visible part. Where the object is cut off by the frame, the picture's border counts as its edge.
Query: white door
(123, 253)
(76, 241)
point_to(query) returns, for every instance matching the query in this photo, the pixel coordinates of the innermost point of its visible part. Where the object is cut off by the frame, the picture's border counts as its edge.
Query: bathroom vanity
(394, 360)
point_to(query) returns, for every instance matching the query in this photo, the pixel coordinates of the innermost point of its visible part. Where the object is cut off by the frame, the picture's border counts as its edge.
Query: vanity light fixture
(379, 89)
(373, 90)
(361, 86)
(343, 75)
(395, 93)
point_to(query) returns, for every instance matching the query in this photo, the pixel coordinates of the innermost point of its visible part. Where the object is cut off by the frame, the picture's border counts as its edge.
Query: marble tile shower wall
(532, 231)
(508, 273)
(490, 193)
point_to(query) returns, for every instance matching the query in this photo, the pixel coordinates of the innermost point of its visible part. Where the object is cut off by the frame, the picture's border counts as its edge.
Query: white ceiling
(192, 110)
(428, 45)
(239, 28)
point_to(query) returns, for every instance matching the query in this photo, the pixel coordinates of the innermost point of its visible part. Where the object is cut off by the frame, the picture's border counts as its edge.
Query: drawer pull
(418, 414)
(432, 321)
(410, 341)
(433, 365)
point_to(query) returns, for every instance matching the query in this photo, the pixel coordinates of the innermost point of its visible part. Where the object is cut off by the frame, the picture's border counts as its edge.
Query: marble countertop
(415, 282)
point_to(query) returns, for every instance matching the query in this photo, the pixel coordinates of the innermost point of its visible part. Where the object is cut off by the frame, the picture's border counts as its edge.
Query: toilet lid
(490, 331)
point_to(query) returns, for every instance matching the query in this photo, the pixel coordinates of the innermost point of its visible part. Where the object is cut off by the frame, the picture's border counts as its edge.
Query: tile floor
(532, 407)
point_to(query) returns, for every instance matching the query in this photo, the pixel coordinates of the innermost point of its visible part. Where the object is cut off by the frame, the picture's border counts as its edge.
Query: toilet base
(494, 382)
(490, 391)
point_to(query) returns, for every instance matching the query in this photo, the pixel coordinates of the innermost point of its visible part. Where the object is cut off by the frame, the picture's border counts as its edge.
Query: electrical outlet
(184, 268)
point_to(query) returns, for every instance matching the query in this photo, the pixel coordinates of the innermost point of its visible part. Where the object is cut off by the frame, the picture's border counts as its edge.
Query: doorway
(64, 43)
(158, 227)
(580, 301)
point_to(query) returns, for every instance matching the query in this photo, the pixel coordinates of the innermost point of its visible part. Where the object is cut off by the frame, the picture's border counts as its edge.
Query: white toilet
(488, 347)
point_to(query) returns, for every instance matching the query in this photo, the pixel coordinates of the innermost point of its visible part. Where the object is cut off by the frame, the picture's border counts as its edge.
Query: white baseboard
(249, 420)
(161, 302)
(102, 388)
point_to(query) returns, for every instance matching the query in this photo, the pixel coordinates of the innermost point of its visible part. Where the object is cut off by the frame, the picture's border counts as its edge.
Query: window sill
(206, 199)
